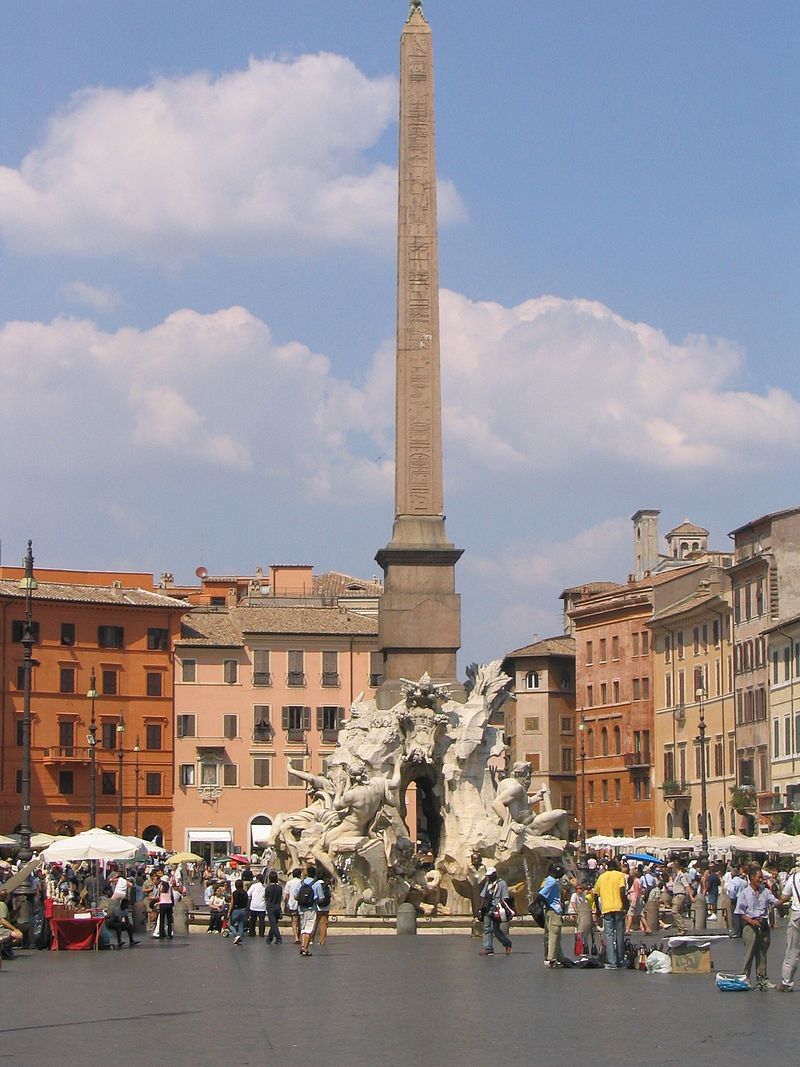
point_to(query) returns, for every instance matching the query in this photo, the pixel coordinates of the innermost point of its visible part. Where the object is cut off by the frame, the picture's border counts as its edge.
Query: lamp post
(582, 842)
(137, 750)
(120, 737)
(701, 694)
(28, 584)
(92, 741)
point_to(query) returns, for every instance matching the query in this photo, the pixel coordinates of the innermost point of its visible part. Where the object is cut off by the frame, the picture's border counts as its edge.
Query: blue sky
(197, 290)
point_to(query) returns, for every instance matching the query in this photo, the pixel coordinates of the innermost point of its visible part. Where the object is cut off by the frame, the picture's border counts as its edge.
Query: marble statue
(472, 816)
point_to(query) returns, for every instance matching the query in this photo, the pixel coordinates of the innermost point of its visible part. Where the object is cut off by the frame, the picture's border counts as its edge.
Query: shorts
(308, 920)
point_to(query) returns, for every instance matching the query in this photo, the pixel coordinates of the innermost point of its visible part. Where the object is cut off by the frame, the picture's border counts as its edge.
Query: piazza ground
(368, 1000)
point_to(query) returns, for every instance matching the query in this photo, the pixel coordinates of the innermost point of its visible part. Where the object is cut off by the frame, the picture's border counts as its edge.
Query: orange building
(118, 627)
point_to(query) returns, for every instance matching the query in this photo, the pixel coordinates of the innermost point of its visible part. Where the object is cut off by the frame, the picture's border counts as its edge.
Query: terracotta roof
(94, 594)
(689, 604)
(688, 529)
(589, 588)
(334, 583)
(563, 645)
(227, 628)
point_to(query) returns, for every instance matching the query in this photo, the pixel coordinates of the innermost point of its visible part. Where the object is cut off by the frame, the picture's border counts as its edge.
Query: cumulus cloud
(270, 159)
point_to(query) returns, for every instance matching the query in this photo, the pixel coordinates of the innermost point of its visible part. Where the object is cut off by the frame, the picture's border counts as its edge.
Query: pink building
(263, 684)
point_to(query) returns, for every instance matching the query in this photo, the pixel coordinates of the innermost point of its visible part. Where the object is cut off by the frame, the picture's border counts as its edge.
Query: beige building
(692, 675)
(263, 685)
(540, 721)
(783, 654)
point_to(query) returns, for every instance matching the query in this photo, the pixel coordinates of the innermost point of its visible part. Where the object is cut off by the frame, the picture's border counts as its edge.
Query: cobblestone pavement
(375, 1000)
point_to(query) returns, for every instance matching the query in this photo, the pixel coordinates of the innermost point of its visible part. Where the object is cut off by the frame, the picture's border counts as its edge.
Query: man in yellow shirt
(612, 899)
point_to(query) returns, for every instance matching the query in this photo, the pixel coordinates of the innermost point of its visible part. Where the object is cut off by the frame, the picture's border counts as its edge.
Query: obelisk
(420, 611)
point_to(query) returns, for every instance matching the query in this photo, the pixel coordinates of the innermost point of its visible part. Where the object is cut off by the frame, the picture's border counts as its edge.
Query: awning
(210, 835)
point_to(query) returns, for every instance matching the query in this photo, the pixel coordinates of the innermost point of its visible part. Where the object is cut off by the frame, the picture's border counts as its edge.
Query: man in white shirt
(791, 893)
(257, 906)
(290, 902)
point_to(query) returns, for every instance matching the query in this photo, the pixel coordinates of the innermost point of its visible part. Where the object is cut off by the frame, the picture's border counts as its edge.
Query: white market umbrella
(93, 844)
(149, 846)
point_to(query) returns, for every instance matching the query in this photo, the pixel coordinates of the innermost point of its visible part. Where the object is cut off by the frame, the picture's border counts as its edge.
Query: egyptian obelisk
(420, 611)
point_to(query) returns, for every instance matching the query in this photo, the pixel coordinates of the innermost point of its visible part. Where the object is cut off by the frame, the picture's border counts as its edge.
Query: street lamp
(120, 736)
(92, 742)
(137, 750)
(28, 584)
(582, 842)
(700, 695)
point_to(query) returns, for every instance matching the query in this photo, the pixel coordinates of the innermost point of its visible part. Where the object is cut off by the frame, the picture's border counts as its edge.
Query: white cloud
(266, 160)
(100, 298)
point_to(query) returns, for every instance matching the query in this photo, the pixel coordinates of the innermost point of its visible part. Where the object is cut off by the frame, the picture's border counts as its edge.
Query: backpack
(305, 895)
(538, 907)
(325, 895)
(647, 884)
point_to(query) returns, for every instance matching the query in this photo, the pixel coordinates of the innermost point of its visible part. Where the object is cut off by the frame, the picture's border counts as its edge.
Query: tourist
(737, 883)
(118, 919)
(238, 911)
(256, 906)
(791, 894)
(493, 897)
(550, 892)
(218, 906)
(580, 909)
(682, 894)
(273, 894)
(753, 904)
(166, 907)
(306, 898)
(324, 894)
(10, 935)
(612, 899)
(710, 886)
(290, 902)
(638, 892)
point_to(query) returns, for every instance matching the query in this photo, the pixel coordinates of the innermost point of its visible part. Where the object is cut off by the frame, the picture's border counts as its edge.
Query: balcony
(330, 737)
(331, 679)
(676, 790)
(295, 737)
(261, 678)
(262, 733)
(296, 678)
(65, 754)
(638, 760)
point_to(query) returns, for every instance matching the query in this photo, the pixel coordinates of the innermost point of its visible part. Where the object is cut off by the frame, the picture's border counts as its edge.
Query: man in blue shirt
(753, 904)
(553, 916)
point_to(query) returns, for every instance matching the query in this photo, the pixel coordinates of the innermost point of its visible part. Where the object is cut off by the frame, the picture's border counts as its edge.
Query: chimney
(645, 541)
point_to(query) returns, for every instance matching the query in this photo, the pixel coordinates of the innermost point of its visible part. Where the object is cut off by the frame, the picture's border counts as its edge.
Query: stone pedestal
(406, 919)
(180, 918)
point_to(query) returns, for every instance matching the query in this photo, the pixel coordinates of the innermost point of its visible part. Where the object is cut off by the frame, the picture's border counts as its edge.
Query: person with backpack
(272, 896)
(306, 898)
(550, 892)
(290, 902)
(324, 894)
(791, 894)
(638, 890)
(494, 910)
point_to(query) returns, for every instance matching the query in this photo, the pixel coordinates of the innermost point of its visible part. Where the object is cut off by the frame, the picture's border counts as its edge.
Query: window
(589, 696)
(602, 650)
(774, 668)
(66, 680)
(262, 731)
(617, 789)
(615, 692)
(66, 736)
(668, 691)
(66, 782)
(591, 792)
(186, 725)
(296, 719)
(109, 683)
(20, 733)
(604, 693)
(230, 671)
(645, 642)
(209, 772)
(108, 734)
(108, 783)
(230, 726)
(535, 760)
(230, 774)
(787, 735)
(604, 742)
(260, 771)
(532, 724)
(680, 644)
(635, 644)
(152, 783)
(696, 640)
(375, 669)
(589, 652)
(567, 724)
(776, 738)
(617, 741)
(636, 687)
(21, 679)
(154, 680)
(330, 668)
(189, 670)
(568, 802)
(605, 790)
(298, 763)
(186, 774)
(705, 637)
(567, 760)
(153, 736)
(615, 647)
(329, 719)
(261, 675)
(157, 639)
(681, 688)
(532, 680)
(67, 633)
(667, 649)
(296, 672)
(787, 653)
(715, 633)
(645, 688)
(18, 629)
(110, 636)
(590, 741)
(669, 765)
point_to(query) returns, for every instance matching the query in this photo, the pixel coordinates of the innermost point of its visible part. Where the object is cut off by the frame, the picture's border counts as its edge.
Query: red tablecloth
(75, 934)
